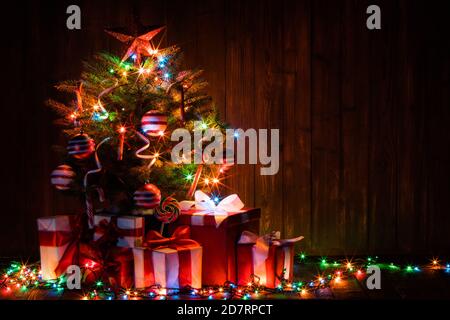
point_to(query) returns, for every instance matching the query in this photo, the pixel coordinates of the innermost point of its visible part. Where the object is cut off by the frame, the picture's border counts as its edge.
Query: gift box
(217, 228)
(266, 260)
(130, 229)
(55, 235)
(174, 262)
(118, 268)
(60, 245)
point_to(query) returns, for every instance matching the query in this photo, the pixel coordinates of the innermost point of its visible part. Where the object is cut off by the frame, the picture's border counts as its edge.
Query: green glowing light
(189, 177)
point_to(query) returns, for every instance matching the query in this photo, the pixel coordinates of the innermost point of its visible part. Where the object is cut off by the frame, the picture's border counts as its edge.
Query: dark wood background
(363, 115)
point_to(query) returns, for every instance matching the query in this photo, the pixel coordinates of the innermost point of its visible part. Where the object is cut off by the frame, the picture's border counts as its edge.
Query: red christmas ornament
(154, 123)
(62, 177)
(81, 146)
(147, 197)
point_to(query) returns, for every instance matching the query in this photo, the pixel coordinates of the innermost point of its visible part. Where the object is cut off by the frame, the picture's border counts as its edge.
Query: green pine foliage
(115, 94)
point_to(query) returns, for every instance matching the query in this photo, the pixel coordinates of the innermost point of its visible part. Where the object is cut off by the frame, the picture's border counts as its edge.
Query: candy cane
(89, 205)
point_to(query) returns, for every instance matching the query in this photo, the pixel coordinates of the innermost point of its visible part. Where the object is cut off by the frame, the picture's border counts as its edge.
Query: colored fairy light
(324, 261)
(134, 56)
(204, 126)
(99, 283)
(215, 180)
(236, 134)
(303, 292)
(189, 177)
(141, 70)
(122, 129)
(216, 199)
(111, 70)
(206, 181)
(302, 256)
(161, 133)
(166, 75)
(124, 73)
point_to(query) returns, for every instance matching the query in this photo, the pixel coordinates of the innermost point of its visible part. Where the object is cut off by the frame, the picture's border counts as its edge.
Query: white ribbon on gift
(206, 205)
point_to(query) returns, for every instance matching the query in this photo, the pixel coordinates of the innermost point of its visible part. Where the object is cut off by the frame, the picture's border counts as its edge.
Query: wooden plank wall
(363, 115)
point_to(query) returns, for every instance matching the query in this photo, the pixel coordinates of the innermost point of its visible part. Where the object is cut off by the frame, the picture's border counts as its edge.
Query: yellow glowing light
(124, 73)
(141, 70)
(210, 291)
(303, 292)
(206, 181)
(153, 51)
(249, 284)
(156, 78)
(161, 133)
(220, 289)
(163, 292)
(337, 279)
(127, 292)
(122, 129)
(215, 180)
(85, 298)
(156, 155)
(435, 262)
(349, 265)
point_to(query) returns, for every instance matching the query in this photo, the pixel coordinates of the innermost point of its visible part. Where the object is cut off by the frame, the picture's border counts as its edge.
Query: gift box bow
(207, 206)
(179, 240)
(263, 243)
(111, 232)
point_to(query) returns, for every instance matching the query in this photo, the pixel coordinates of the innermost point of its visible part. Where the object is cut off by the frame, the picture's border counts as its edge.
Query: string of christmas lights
(19, 278)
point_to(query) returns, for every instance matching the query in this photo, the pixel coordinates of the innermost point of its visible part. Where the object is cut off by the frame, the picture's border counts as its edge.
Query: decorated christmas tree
(119, 118)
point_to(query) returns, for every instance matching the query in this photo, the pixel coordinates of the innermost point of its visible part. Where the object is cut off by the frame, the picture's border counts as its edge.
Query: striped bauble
(154, 123)
(147, 197)
(81, 146)
(62, 177)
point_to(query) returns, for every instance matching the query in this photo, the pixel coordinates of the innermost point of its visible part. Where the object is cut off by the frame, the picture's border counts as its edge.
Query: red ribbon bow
(77, 252)
(180, 239)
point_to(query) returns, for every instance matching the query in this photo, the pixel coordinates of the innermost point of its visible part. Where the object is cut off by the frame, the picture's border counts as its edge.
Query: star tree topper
(140, 44)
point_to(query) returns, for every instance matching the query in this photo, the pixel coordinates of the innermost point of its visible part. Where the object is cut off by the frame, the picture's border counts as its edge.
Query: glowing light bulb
(122, 129)
(161, 133)
(141, 70)
(303, 292)
(215, 180)
(124, 73)
(206, 181)
(249, 284)
(337, 279)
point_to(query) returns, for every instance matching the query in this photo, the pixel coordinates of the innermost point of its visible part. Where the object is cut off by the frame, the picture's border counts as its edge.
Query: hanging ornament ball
(62, 177)
(168, 211)
(147, 197)
(81, 146)
(154, 123)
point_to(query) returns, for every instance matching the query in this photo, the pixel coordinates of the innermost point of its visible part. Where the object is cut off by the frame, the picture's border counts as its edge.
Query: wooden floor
(427, 284)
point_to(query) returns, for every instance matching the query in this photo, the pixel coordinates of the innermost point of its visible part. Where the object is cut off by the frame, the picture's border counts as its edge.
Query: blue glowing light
(166, 75)
(236, 134)
(134, 56)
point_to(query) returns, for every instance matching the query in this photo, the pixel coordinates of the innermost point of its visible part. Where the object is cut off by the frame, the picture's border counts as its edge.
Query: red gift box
(60, 246)
(130, 229)
(118, 268)
(174, 262)
(218, 232)
(265, 259)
